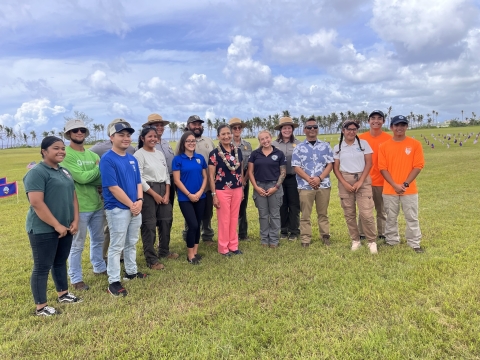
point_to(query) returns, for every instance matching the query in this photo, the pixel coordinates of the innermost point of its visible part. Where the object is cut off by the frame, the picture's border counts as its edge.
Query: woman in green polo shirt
(52, 220)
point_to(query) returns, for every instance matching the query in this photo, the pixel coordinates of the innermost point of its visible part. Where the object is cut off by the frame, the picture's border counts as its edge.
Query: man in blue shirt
(122, 194)
(313, 161)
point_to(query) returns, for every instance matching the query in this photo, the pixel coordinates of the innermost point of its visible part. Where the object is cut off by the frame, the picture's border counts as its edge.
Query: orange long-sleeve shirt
(399, 158)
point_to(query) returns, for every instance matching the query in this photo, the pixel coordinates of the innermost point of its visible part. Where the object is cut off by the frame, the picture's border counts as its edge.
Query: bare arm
(36, 199)
(76, 215)
(211, 174)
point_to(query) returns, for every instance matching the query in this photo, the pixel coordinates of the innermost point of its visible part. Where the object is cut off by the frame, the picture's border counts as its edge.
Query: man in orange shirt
(400, 160)
(375, 137)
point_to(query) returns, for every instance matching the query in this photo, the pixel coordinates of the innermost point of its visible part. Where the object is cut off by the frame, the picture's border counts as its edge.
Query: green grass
(280, 303)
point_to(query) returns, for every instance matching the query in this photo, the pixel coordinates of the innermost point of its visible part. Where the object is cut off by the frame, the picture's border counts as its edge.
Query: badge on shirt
(408, 150)
(274, 157)
(66, 173)
(245, 147)
(198, 161)
(294, 145)
(133, 165)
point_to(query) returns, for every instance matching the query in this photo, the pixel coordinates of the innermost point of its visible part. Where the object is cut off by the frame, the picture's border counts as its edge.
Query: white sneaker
(356, 245)
(373, 247)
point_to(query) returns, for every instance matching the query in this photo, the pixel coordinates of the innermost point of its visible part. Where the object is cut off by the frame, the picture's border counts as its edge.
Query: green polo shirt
(85, 171)
(58, 189)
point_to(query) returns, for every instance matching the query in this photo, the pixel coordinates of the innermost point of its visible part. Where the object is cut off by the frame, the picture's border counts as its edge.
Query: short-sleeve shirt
(287, 148)
(400, 158)
(313, 159)
(246, 148)
(58, 190)
(352, 157)
(374, 142)
(267, 168)
(167, 151)
(224, 177)
(121, 171)
(190, 173)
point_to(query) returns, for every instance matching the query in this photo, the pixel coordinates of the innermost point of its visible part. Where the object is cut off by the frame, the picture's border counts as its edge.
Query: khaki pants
(362, 198)
(321, 197)
(410, 210)
(379, 209)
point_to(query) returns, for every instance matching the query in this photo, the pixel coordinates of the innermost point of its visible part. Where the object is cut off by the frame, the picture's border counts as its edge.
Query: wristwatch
(140, 199)
(214, 193)
(406, 184)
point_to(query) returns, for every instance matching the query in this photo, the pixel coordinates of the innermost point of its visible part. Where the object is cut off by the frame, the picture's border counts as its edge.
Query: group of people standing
(120, 195)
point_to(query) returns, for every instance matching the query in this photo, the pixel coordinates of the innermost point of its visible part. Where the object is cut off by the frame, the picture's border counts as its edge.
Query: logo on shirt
(198, 161)
(274, 157)
(79, 162)
(66, 173)
(408, 150)
(133, 165)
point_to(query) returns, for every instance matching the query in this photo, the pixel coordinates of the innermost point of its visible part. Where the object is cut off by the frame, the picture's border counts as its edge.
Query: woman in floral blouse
(226, 179)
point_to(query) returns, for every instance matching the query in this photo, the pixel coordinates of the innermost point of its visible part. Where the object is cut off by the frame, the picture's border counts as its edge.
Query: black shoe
(362, 237)
(237, 252)
(194, 261)
(419, 250)
(138, 275)
(292, 237)
(198, 256)
(47, 311)
(381, 237)
(244, 239)
(116, 289)
(69, 298)
(228, 254)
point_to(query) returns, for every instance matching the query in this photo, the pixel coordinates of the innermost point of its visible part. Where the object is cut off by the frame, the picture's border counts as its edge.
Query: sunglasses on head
(310, 127)
(82, 130)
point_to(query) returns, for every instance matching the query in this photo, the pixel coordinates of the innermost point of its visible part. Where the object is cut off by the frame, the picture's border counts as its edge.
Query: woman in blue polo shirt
(190, 176)
(267, 170)
(52, 220)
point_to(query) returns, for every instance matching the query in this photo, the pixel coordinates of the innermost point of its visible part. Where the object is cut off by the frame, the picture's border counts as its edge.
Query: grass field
(285, 303)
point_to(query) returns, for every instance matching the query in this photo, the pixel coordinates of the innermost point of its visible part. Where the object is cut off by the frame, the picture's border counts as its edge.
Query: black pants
(206, 222)
(290, 209)
(193, 212)
(155, 215)
(49, 252)
(173, 189)
(242, 216)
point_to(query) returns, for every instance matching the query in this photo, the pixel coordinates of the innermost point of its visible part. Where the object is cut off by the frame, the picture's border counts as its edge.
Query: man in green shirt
(83, 165)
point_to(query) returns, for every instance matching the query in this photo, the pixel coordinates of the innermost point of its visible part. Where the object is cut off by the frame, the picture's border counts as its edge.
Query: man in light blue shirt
(313, 161)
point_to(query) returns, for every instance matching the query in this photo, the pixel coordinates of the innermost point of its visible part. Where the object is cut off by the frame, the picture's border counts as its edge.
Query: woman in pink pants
(226, 179)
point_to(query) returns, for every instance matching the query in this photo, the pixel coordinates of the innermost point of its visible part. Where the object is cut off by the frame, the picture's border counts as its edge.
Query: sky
(244, 58)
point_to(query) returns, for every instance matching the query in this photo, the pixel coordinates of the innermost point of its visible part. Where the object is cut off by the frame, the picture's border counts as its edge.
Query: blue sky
(246, 58)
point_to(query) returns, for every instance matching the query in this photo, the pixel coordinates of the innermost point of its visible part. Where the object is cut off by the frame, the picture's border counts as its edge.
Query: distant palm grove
(329, 124)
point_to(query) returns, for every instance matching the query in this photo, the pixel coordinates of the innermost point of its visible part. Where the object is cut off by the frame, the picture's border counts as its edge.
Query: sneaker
(172, 256)
(362, 237)
(138, 275)
(283, 236)
(373, 247)
(80, 286)
(419, 250)
(356, 245)
(157, 266)
(227, 254)
(237, 252)
(47, 311)
(198, 256)
(116, 289)
(292, 237)
(194, 261)
(326, 240)
(69, 298)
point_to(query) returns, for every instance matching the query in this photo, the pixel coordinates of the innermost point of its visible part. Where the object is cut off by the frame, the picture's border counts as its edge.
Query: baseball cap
(377, 112)
(399, 119)
(74, 124)
(119, 126)
(194, 118)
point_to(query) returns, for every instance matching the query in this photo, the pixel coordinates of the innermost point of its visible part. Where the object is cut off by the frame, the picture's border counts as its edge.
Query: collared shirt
(190, 173)
(352, 158)
(246, 148)
(313, 159)
(287, 148)
(224, 177)
(167, 151)
(153, 167)
(267, 168)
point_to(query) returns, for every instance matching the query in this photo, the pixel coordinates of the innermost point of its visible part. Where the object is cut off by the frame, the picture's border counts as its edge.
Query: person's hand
(216, 202)
(166, 198)
(61, 230)
(271, 191)
(73, 227)
(357, 185)
(260, 191)
(348, 187)
(399, 188)
(158, 199)
(136, 207)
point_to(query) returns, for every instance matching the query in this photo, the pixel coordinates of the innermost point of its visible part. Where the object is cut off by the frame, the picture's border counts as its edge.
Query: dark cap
(378, 112)
(398, 119)
(194, 118)
(115, 128)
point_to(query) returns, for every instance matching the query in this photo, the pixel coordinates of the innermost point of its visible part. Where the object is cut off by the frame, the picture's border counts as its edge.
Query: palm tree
(286, 113)
(25, 138)
(102, 129)
(34, 136)
(389, 112)
(45, 134)
(209, 127)
(2, 133)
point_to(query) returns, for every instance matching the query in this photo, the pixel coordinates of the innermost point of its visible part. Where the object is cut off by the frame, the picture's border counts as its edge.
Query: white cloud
(101, 85)
(35, 112)
(121, 110)
(242, 70)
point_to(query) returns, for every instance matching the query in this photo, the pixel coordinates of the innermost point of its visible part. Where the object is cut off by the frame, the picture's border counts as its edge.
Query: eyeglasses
(190, 141)
(151, 127)
(82, 130)
(310, 127)
(351, 129)
(236, 128)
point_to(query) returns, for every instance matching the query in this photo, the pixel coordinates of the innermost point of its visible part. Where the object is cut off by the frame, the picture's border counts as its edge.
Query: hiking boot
(80, 286)
(326, 240)
(292, 237)
(283, 236)
(362, 237)
(138, 275)
(419, 250)
(172, 256)
(116, 289)
(373, 247)
(356, 245)
(47, 311)
(157, 266)
(69, 298)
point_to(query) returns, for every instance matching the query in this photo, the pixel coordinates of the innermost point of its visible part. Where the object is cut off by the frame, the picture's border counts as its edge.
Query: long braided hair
(344, 126)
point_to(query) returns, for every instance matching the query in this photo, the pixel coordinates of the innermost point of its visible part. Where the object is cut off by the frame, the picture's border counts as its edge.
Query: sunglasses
(82, 130)
(236, 127)
(310, 127)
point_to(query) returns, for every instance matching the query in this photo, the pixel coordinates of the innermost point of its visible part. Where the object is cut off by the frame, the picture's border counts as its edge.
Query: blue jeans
(124, 233)
(49, 252)
(93, 221)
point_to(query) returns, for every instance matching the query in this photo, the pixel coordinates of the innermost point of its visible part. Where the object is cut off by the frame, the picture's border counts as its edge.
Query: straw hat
(155, 119)
(236, 121)
(285, 121)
